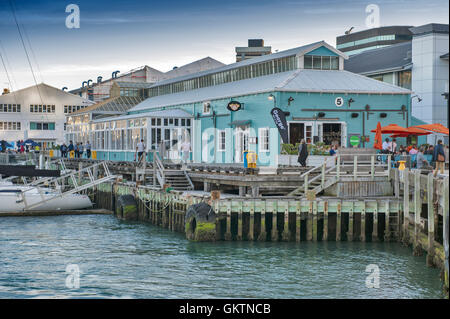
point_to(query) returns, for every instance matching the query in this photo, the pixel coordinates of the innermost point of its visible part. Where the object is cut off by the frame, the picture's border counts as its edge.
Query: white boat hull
(13, 202)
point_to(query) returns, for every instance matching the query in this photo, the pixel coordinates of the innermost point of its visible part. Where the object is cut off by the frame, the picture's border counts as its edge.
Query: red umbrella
(378, 144)
(391, 129)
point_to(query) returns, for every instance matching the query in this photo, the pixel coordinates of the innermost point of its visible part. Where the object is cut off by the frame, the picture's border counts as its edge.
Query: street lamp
(445, 95)
(271, 97)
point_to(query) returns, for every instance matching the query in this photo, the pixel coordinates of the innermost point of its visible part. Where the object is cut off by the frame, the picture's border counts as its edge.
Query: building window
(263, 139)
(222, 141)
(318, 62)
(10, 126)
(10, 108)
(44, 126)
(404, 79)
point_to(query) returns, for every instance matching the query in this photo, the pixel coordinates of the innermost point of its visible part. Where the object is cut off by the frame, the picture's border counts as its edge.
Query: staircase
(178, 180)
(319, 182)
(160, 175)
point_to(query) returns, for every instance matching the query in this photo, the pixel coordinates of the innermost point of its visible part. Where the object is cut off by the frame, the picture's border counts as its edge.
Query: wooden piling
(309, 223)
(375, 224)
(350, 225)
(430, 212)
(405, 204)
(417, 212)
(325, 222)
(363, 223)
(274, 222)
(338, 221)
(252, 223)
(297, 222)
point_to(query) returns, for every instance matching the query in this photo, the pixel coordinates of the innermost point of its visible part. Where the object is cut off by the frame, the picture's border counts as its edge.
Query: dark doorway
(332, 133)
(296, 132)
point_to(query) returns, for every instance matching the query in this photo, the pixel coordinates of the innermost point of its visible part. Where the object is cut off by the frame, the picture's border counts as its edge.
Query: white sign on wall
(339, 101)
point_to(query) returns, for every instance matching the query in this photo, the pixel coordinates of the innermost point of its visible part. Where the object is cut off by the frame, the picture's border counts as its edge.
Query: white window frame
(220, 139)
(261, 140)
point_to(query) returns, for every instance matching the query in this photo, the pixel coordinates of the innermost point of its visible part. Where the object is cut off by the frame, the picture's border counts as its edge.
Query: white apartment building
(38, 113)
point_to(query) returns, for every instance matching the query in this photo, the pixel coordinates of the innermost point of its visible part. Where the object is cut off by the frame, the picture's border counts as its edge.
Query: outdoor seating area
(411, 156)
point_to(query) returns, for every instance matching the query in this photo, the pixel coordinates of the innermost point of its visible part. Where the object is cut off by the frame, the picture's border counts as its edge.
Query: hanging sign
(234, 106)
(280, 121)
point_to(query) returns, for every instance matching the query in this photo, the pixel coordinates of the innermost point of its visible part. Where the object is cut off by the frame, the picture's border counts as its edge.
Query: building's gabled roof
(382, 60)
(204, 64)
(113, 105)
(44, 90)
(300, 80)
(268, 57)
(146, 67)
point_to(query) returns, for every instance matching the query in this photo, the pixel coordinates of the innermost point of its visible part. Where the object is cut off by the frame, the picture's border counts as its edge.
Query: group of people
(22, 147)
(77, 148)
(439, 154)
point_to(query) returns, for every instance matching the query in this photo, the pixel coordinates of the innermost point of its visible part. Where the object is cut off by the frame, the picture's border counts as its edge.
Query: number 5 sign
(339, 101)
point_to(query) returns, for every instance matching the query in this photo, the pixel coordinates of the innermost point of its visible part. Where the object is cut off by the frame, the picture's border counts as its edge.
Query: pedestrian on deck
(302, 153)
(88, 149)
(385, 146)
(421, 160)
(75, 150)
(63, 150)
(185, 149)
(70, 148)
(80, 150)
(430, 150)
(413, 150)
(439, 158)
(333, 150)
(140, 149)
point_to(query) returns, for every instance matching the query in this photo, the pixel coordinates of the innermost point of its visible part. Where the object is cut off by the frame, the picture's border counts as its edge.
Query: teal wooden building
(227, 110)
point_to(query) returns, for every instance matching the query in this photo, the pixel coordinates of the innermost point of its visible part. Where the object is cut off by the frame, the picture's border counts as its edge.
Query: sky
(124, 35)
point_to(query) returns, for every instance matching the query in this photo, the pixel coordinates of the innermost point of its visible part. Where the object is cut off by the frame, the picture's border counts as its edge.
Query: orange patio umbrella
(411, 131)
(378, 144)
(436, 127)
(391, 129)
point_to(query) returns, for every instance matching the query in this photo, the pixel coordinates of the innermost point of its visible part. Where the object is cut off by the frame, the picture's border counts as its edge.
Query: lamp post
(445, 95)
(271, 97)
(419, 99)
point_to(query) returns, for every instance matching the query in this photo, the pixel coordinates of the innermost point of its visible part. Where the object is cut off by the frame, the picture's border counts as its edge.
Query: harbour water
(118, 259)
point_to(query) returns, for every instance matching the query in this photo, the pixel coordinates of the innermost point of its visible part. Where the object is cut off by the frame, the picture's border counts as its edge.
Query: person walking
(140, 149)
(439, 158)
(185, 149)
(75, 150)
(88, 149)
(63, 150)
(302, 153)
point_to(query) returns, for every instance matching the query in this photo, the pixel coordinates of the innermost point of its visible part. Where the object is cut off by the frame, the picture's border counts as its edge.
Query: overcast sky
(122, 35)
